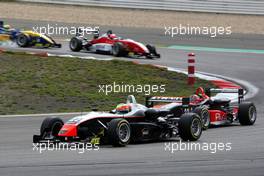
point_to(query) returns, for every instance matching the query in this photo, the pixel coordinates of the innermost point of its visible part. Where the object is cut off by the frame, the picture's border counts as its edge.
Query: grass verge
(33, 84)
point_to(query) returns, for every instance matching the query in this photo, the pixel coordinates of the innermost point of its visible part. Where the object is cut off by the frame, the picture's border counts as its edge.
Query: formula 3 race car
(213, 111)
(26, 38)
(109, 43)
(223, 111)
(130, 122)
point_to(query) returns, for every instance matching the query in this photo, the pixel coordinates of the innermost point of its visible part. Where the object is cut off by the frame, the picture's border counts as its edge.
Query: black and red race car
(129, 122)
(213, 111)
(109, 43)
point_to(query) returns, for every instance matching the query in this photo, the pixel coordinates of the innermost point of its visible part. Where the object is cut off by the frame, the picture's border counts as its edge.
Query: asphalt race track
(246, 157)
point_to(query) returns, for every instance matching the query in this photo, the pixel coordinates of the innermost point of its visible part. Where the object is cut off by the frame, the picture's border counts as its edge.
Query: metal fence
(254, 7)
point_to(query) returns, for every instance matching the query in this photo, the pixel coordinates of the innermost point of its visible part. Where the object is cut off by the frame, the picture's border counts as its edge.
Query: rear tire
(247, 113)
(22, 40)
(190, 127)
(51, 125)
(119, 132)
(119, 49)
(76, 44)
(205, 116)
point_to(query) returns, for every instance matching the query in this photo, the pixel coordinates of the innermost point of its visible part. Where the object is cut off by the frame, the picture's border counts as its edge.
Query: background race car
(223, 111)
(109, 43)
(213, 111)
(26, 38)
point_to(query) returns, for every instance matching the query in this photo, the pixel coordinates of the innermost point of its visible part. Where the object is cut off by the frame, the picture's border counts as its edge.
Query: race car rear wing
(240, 92)
(151, 100)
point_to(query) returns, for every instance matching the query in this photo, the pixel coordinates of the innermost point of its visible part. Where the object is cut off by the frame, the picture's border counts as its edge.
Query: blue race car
(26, 38)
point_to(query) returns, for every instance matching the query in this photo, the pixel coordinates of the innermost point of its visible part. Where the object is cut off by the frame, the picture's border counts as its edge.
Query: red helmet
(201, 93)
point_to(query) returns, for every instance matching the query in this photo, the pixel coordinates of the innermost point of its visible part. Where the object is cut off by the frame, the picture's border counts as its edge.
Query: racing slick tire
(22, 40)
(52, 125)
(190, 127)
(205, 116)
(247, 113)
(153, 51)
(76, 44)
(119, 132)
(119, 49)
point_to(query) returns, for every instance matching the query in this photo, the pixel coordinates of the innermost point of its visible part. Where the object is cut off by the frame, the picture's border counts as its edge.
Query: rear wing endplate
(240, 92)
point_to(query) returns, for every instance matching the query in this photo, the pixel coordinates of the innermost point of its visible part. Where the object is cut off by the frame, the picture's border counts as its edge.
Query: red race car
(109, 43)
(212, 110)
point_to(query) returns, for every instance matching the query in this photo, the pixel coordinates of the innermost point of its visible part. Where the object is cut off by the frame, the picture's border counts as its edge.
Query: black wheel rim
(124, 132)
(22, 40)
(252, 114)
(196, 127)
(115, 49)
(206, 118)
(73, 44)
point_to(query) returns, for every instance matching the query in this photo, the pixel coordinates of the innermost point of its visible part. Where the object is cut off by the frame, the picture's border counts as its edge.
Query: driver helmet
(109, 32)
(201, 93)
(123, 108)
(7, 27)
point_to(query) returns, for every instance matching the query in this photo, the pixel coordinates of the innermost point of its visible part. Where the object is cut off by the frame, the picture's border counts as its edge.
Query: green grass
(32, 84)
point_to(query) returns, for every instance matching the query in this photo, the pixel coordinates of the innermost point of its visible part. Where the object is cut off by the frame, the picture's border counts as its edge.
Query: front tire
(152, 51)
(76, 44)
(190, 127)
(51, 126)
(247, 113)
(119, 49)
(22, 40)
(119, 132)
